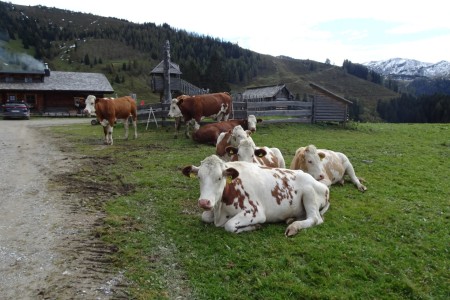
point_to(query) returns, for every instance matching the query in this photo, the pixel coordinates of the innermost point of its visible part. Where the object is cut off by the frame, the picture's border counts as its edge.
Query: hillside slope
(126, 53)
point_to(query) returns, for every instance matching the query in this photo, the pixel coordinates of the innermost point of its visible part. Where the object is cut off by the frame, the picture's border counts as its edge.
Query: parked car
(16, 110)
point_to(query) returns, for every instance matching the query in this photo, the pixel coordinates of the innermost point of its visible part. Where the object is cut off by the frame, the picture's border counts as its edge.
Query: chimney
(46, 69)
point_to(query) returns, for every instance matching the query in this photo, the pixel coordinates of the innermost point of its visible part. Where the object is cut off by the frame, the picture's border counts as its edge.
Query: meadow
(391, 242)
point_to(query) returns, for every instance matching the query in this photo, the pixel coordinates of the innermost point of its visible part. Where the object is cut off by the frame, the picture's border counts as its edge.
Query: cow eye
(310, 161)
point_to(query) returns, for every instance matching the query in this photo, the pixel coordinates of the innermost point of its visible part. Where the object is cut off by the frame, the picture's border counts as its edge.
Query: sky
(334, 30)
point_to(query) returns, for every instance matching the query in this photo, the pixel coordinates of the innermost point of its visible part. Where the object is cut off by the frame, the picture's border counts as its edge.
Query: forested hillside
(127, 52)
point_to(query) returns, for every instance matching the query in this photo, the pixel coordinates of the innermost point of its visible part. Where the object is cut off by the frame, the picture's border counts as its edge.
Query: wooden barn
(46, 91)
(157, 75)
(329, 107)
(277, 92)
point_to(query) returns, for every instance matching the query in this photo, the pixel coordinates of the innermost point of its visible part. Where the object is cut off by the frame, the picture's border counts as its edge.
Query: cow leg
(244, 221)
(126, 126)
(177, 127)
(109, 139)
(105, 131)
(208, 216)
(313, 216)
(351, 172)
(135, 127)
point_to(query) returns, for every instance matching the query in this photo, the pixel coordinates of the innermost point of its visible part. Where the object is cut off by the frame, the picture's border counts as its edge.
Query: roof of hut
(329, 94)
(264, 91)
(159, 69)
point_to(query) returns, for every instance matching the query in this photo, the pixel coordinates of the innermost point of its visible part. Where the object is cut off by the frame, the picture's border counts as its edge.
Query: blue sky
(356, 30)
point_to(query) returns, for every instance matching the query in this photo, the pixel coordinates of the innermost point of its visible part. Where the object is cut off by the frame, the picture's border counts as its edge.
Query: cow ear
(321, 155)
(231, 150)
(249, 132)
(259, 120)
(231, 172)
(260, 152)
(190, 171)
(180, 101)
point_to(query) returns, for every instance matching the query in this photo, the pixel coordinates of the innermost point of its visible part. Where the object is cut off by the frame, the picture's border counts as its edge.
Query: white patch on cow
(104, 122)
(174, 110)
(90, 105)
(252, 122)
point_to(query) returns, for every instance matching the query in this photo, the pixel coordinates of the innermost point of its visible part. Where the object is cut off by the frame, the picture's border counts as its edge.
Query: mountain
(409, 69)
(415, 77)
(127, 52)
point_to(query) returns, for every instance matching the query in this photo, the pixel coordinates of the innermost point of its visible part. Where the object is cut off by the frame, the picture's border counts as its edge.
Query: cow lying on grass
(263, 156)
(240, 195)
(325, 165)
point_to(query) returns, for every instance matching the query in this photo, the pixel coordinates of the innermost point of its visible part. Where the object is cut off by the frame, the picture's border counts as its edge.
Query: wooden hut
(277, 92)
(329, 107)
(157, 77)
(49, 92)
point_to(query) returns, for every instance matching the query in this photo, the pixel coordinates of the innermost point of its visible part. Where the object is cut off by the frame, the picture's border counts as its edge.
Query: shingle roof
(159, 69)
(262, 92)
(330, 94)
(65, 81)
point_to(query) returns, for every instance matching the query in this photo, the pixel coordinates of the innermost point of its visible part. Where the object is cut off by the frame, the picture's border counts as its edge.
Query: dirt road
(47, 245)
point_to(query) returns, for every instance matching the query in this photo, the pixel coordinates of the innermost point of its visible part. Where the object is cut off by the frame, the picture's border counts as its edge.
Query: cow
(231, 138)
(108, 111)
(209, 133)
(240, 196)
(325, 165)
(194, 108)
(264, 156)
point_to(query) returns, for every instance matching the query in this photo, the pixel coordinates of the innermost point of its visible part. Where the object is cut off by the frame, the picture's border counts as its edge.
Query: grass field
(391, 242)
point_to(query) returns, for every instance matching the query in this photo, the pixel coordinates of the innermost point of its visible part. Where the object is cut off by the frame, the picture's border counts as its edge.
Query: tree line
(411, 109)
(205, 61)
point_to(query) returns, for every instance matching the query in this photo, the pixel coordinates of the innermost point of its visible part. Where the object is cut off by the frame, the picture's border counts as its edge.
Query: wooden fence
(289, 111)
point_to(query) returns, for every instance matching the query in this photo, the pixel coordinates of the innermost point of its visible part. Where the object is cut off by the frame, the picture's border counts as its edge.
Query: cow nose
(253, 129)
(321, 177)
(204, 203)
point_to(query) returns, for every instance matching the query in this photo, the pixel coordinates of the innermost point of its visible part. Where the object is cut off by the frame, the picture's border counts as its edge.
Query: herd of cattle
(243, 185)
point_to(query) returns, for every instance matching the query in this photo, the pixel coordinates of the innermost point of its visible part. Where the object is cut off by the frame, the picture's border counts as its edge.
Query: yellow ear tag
(260, 155)
(229, 179)
(192, 175)
(231, 152)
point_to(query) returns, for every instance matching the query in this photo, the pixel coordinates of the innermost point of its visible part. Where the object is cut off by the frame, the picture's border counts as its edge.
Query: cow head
(238, 134)
(313, 162)
(246, 151)
(174, 110)
(213, 176)
(90, 105)
(251, 122)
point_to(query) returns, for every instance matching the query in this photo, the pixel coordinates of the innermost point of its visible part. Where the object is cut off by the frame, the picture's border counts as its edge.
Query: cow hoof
(362, 188)
(290, 231)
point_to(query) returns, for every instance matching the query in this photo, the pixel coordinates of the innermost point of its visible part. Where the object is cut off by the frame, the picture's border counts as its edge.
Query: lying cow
(240, 196)
(326, 166)
(231, 138)
(194, 108)
(209, 133)
(263, 156)
(108, 111)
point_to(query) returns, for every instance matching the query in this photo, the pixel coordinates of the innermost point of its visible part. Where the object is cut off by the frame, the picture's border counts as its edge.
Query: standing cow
(193, 109)
(240, 196)
(108, 111)
(325, 165)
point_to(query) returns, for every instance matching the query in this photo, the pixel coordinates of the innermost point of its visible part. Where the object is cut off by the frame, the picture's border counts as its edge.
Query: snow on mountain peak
(403, 68)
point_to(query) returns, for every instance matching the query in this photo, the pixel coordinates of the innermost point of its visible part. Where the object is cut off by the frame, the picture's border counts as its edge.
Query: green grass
(391, 242)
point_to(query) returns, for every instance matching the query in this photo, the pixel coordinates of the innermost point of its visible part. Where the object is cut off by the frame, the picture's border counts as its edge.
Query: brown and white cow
(108, 111)
(264, 156)
(209, 133)
(327, 166)
(231, 138)
(240, 196)
(194, 108)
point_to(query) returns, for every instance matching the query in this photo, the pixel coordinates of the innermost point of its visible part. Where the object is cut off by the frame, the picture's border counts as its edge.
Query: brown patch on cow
(232, 195)
(285, 190)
